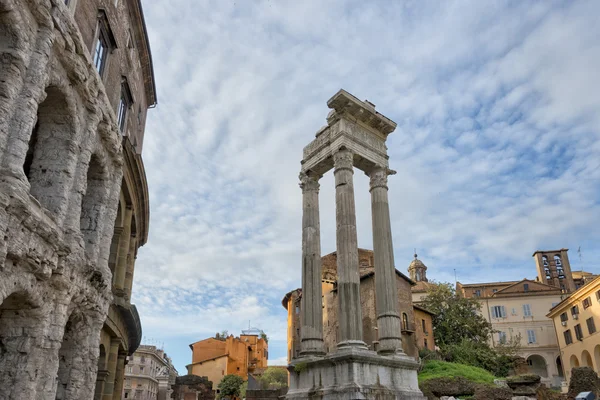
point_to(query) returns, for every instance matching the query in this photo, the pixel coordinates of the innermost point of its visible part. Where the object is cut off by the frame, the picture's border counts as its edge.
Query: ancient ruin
(75, 84)
(355, 136)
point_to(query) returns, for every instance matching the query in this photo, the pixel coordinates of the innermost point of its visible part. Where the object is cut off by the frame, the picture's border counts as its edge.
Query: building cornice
(145, 55)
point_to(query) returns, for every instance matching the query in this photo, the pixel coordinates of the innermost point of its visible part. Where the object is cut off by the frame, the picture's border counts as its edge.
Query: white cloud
(496, 149)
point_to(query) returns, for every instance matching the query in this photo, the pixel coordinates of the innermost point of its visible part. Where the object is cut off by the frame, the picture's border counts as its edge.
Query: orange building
(215, 358)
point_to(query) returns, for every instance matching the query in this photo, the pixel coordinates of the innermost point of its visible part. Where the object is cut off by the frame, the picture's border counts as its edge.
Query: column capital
(309, 183)
(379, 177)
(343, 159)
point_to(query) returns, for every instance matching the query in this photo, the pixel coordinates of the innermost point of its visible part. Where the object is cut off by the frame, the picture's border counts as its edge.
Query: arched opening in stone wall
(51, 147)
(574, 361)
(586, 359)
(92, 203)
(537, 365)
(20, 321)
(559, 367)
(71, 357)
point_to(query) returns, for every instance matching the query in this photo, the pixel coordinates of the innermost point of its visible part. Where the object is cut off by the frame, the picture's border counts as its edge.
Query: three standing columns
(388, 318)
(311, 306)
(348, 277)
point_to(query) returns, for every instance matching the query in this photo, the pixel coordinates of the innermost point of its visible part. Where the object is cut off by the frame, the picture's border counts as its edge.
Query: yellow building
(215, 358)
(576, 321)
(518, 309)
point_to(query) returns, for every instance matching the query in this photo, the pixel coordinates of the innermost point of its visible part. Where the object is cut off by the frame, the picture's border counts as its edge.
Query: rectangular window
(530, 336)
(587, 302)
(526, 287)
(564, 317)
(124, 105)
(598, 295)
(105, 42)
(501, 337)
(578, 332)
(574, 310)
(568, 336)
(526, 310)
(498, 312)
(425, 343)
(424, 327)
(478, 293)
(591, 325)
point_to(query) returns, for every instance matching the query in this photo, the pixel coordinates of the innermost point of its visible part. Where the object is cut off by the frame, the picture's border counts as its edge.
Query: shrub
(441, 369)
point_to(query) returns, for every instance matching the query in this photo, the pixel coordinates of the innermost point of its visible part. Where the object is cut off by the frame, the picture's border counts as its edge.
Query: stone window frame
(104, 35)
(125, 103)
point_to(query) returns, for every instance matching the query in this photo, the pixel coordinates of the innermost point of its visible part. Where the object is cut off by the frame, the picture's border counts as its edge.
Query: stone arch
(574, 361)
(51, 153)
(537, 365)
(586, 359)
(78, 354)
(21, 320)
(93, 203)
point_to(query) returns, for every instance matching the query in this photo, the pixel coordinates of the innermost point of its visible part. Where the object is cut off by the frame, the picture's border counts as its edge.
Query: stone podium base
(354, 374)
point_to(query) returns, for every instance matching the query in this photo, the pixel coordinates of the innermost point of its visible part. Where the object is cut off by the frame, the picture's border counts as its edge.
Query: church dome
(417, 270)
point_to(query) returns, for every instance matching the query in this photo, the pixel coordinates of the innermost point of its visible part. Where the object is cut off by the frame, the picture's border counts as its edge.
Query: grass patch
(442, 369)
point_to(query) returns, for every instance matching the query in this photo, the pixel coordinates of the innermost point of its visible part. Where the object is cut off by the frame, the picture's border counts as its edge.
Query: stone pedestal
(353, 374)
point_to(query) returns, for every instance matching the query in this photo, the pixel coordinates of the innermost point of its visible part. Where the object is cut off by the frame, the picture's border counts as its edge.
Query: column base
(352, 344)
(354, 374)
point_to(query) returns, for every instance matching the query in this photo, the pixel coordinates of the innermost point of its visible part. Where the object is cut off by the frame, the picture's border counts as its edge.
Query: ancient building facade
(75, 84)
(243, 355)
(149, 375)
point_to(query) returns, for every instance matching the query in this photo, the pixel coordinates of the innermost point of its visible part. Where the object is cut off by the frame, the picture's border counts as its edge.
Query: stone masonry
(354, 137)
(61, 178)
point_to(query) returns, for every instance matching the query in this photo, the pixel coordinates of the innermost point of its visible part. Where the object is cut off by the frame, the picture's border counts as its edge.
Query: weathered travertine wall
(61, 170)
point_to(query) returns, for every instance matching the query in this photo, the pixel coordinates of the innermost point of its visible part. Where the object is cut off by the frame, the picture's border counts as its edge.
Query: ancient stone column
(111, 367)
(130, 266)
(121, 267)
(348, 279)
(388, 317)
(312, 309)
(119, 377)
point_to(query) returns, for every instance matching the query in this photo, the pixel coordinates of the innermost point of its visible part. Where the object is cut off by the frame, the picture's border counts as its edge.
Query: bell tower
(417, 270)
(554, 269)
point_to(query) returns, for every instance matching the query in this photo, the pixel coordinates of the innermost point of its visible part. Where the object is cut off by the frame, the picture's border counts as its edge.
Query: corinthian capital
(343, 159)
(309, 182)
(379, 177)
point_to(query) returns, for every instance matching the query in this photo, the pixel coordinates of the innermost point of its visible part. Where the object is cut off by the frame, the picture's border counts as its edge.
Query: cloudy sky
(497, 147)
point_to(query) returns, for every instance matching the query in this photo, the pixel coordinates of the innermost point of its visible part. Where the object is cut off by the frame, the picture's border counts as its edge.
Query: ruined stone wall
(60, 178)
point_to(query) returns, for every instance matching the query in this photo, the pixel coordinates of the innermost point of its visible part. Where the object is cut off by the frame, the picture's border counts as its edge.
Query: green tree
(456, 318)
(273, 378)
(230, 385)
(264, 336)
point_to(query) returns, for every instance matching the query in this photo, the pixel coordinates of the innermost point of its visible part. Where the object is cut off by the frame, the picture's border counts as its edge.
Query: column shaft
(119, 377)
(348, 279)
(388, 316)
(121, 267)
(130, 267)
(111, 366)
(312, 309)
